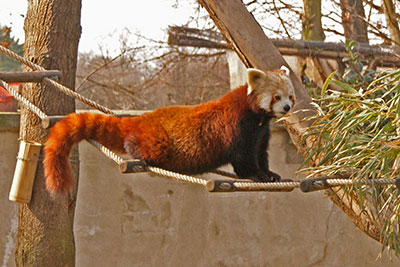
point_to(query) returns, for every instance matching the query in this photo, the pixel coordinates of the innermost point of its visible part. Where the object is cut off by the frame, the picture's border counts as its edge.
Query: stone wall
(145, 220)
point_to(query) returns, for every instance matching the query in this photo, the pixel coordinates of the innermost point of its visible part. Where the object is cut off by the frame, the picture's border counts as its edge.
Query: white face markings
(278, 101)
(282, 103)
(265, 102)
(274, 90)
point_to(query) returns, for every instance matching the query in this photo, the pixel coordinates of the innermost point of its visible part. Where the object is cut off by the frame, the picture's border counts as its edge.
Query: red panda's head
(271, 90)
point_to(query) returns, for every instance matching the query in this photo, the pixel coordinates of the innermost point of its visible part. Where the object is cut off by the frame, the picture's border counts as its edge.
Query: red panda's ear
(254, 76)
(285, 70)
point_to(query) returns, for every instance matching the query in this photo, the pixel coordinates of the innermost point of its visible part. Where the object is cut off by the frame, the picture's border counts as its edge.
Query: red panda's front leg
(262, 157)
(246, 163)
(248, 170)
(251, 159)
(264, 165)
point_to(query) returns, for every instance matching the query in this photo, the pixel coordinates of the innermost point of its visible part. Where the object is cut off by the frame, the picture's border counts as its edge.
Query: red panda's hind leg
(150, 144)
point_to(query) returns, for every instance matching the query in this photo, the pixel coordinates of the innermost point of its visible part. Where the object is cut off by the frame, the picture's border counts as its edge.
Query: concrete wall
(8, 210)
(144, 220)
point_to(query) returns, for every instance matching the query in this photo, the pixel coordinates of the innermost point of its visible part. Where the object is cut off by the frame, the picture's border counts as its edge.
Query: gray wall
(144, 220)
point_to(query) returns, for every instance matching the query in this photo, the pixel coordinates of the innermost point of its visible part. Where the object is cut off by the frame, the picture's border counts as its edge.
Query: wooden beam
(384, 56)
(132, 166)
(29, 77)
(248, 40)
(49, 122)
(185, 36)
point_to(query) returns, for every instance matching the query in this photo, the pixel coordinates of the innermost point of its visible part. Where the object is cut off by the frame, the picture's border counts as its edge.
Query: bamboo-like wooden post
(24, 175)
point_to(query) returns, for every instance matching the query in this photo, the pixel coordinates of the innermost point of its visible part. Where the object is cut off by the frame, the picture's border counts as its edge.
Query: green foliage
(357, 133)
(355, 73)
(6, 63)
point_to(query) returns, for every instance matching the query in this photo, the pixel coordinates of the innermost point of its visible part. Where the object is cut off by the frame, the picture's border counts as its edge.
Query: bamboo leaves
(357, 132)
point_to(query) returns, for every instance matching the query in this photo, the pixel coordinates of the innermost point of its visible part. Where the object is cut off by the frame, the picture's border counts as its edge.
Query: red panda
(187, 139)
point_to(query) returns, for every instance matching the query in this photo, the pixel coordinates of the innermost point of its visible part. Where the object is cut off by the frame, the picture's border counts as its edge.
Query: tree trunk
(318, 68)
(391, 21)
(45, 227)
(353, 19)
(311, 21)
(246, 37)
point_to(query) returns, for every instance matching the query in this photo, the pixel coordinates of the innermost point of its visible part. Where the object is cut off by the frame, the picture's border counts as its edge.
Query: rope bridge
(136, 166)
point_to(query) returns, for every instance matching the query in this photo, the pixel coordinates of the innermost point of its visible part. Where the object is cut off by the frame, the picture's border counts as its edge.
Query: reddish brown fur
(149, 136)
(65, 134)
(189, 139)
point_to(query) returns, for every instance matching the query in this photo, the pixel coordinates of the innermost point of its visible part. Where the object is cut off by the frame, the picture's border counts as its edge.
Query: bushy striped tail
(70, 131)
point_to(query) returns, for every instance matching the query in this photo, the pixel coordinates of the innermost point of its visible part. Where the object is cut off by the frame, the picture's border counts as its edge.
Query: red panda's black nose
(286, 108)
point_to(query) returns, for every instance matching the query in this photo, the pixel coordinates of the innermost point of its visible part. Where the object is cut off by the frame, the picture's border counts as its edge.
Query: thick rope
(340, 182)
(22, 99)
(60, 87)
(77, 96)
(20, 59)
(177, 176)
(106, 151)
(255, 186)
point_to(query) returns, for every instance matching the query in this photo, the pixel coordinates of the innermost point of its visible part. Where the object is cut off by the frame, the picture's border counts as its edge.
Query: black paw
(266, 177)
(274, 176)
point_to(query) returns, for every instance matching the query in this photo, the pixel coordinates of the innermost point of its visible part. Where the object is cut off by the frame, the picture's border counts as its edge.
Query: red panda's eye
(291, 97)
(277, 97)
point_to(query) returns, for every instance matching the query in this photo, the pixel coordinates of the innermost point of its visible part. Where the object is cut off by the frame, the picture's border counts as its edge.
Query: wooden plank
(27, 77)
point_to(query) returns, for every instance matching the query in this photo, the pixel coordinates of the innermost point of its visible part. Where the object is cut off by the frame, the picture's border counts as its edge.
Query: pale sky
(102, 19)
